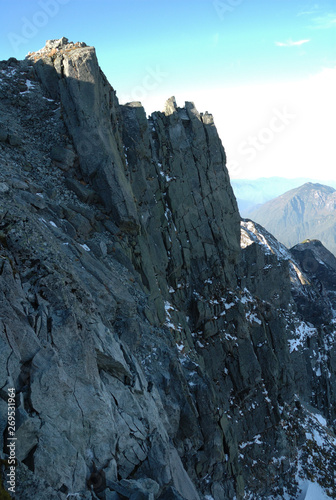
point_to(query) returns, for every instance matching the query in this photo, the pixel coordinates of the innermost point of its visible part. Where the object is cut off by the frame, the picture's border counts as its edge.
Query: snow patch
(86, 248)
(253, 318)
(30, 84)
(320, 419)
(256, 440)
(302, 332)
(228, 306)
(312, 491)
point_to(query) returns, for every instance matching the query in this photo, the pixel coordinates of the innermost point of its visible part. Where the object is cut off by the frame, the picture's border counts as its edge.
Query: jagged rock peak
(119, 150)
(54, 46)
(170, 106)
(188, 112)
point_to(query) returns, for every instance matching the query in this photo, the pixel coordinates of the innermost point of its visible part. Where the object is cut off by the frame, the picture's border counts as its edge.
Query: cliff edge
(146, 358)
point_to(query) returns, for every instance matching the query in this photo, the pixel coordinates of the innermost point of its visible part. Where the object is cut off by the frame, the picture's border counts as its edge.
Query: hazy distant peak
(251, 193)
(305, 212)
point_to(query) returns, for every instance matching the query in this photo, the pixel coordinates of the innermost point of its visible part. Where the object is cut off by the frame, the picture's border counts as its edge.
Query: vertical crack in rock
(79, 406)
(160, 346)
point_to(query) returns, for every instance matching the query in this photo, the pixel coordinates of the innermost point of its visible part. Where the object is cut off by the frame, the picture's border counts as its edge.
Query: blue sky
(225, 55)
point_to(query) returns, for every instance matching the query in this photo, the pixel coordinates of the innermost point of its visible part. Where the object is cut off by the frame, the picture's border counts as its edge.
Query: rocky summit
(157, 346)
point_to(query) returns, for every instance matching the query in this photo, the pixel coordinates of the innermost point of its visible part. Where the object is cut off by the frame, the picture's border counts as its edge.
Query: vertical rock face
(164, 178)
(315, 349)
(151, 357)
(310, 321)
(174, 160)
(189, 218)
(70, 72)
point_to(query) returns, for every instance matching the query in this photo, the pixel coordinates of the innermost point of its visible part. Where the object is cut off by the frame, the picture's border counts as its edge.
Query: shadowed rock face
(164, 178)
(151, 356)
(71, 73)
(174, 160)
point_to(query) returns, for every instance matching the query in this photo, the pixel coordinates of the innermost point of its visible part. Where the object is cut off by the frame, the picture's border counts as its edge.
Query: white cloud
(312, 10)
(306, 13)
(291, 43)
(324, 22)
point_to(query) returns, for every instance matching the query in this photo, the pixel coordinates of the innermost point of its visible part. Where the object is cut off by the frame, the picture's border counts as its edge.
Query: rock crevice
(153, 355)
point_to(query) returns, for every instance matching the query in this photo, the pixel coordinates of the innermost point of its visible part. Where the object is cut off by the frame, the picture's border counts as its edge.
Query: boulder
(14, 140)
(63, 157)
(3, 135)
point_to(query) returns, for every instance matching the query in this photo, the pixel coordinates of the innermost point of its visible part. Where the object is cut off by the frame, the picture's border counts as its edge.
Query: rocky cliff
(152, 357)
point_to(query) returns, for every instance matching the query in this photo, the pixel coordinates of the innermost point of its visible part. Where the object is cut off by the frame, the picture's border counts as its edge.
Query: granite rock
(157, 348)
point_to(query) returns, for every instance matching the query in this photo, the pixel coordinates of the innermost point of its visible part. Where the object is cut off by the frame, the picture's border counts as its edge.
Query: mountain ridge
(153, 356)
(306, 212)
(251, 193)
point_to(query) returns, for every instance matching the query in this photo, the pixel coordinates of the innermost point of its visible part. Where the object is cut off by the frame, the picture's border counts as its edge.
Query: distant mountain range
(253, 192)
(306, 212)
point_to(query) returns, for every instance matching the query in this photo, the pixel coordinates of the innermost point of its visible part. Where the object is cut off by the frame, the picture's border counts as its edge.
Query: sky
(266, 69)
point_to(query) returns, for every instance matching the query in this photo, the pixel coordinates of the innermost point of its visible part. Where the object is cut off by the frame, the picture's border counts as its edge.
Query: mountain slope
(307, 212)
(251, 193)
(151, 356)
